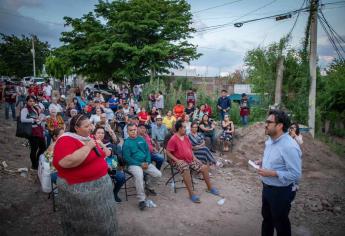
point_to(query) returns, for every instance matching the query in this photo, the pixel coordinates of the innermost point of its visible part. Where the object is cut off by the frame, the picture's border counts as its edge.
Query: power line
(210, 8)
(293, 27)
(331, 37)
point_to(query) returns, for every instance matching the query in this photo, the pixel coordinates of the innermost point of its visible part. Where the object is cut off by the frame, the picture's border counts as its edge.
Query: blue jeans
(222, 114)
(120, 179)
(158, 158)
(244, 120)
(9, 106)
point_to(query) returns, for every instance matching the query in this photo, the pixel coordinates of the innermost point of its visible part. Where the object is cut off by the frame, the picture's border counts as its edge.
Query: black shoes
(117, 199)
(142, 205)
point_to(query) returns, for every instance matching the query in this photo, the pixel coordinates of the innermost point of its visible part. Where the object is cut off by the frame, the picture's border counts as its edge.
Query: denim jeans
(9, 106)
(158, 158)
(244, 120)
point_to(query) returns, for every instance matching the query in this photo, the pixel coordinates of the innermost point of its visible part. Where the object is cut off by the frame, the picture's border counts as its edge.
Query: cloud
(15, 23)
(15, 5)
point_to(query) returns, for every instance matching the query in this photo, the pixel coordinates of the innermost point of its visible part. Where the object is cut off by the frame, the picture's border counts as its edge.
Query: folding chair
(128, 176)
(173, 180)
(222, 142)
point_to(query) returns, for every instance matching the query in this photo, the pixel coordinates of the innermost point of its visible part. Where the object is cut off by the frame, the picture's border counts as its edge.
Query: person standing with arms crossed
(280, 170)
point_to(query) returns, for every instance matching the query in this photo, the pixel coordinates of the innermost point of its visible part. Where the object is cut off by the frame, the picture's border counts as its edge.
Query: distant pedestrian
(10, 100)
(244, 109)
(223, 104)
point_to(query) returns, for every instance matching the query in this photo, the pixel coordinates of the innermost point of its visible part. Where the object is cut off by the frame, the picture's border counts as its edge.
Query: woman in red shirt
(143, 116)
(85, 189)
(178, 110)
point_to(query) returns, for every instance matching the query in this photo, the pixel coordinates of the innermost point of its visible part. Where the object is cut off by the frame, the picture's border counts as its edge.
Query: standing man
(224, 104)
(10, 95)
(280, 170)
(137, 155)
(244, 109)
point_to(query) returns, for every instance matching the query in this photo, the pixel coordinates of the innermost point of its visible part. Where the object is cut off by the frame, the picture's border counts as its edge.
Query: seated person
(137, 155)
(120, 118)
(153, 114)
(159, 131)
(207, 128)
(178, 110)
(199, 148)
(169, 120)
(228, 131)
(190, 110)
(115, 170)
(155, 155)
(110, 138)
(187, 123)
(144, 117)
(179, 150)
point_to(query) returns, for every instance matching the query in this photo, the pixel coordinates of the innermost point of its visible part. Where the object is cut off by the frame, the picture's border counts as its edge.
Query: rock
(314, 205)
(326, 203)
(337, 209)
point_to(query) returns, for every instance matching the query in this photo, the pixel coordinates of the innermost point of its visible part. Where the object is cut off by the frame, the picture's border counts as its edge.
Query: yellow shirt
(169, 122)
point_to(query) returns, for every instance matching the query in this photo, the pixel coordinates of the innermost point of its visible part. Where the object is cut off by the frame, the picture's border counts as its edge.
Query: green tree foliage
(130, 40)
(57, 67)
(262, 66)
(331, 95)
(16, 57)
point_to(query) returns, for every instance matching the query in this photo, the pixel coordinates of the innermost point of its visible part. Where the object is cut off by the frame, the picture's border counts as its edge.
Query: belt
(271, 186)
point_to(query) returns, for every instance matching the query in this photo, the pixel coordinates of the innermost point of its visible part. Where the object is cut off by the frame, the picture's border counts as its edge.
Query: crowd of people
(93, 141)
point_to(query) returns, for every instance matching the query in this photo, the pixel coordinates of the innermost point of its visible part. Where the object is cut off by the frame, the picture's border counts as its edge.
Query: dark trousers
(37, 146)
(276, 204)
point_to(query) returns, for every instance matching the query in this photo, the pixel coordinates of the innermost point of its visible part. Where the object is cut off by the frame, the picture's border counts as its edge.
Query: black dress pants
(37, 146)
(276, 204)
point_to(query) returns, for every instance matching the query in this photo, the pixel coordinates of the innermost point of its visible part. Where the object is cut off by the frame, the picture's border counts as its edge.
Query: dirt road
(317, 210)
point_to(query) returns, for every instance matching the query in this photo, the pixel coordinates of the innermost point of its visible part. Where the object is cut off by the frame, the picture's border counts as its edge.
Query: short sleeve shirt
(181, 149)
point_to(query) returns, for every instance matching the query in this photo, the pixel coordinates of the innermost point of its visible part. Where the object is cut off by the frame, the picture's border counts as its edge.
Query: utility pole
(33, 56)
(312, 66)
(279, 79)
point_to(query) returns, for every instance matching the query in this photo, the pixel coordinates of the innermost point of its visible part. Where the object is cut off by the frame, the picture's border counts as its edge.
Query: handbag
(24, 130)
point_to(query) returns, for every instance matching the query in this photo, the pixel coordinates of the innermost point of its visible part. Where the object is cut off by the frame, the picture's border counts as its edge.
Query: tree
(130, 40)
(331, 95)
(16, 57)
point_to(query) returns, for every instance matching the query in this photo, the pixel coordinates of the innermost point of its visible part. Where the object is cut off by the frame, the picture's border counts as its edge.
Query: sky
(223, 49)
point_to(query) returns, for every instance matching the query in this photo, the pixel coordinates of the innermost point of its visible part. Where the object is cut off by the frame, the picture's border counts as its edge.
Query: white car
(30, 80)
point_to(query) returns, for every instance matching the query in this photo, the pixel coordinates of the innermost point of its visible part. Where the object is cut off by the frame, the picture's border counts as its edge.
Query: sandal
(213, 191)
(195, 198)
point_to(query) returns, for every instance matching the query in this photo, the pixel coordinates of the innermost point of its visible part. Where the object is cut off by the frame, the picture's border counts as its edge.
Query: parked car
(30, 80)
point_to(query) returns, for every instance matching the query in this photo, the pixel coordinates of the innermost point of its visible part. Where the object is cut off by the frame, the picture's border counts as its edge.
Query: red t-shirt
(143, 116)
(182, 150)
(179, 110)
(92, 168)
(149, 142)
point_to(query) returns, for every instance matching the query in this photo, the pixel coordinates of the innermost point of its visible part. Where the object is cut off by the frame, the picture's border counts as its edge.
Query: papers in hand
(252, 163)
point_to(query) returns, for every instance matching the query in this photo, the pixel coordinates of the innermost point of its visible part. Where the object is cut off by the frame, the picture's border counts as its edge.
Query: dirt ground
(317, 210)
